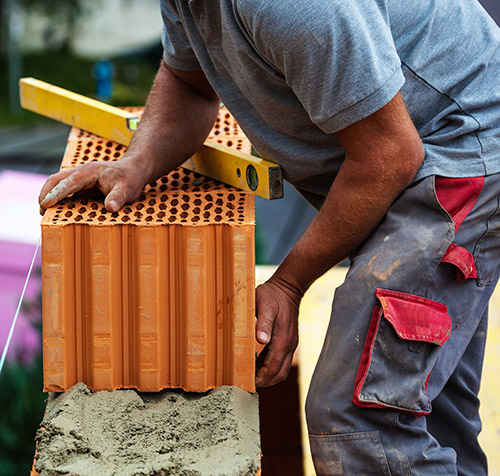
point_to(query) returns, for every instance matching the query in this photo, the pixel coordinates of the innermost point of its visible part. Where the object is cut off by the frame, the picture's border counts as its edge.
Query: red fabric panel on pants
(458, 196)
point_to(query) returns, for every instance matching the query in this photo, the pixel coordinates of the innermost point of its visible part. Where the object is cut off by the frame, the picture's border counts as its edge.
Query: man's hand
(277, 309)
(179, 113)
(119, 181)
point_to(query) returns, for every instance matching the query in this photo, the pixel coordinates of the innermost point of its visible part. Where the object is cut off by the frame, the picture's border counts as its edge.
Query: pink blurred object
(19, 233)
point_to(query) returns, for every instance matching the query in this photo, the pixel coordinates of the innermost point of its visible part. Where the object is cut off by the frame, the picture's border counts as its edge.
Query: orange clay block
(157, 295)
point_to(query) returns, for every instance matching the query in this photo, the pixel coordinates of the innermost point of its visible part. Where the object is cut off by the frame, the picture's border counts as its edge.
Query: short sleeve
(338, 56)
(177, 51)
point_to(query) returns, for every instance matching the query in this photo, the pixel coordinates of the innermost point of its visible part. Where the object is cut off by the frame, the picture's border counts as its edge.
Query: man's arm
(382, 154)
(179, 113)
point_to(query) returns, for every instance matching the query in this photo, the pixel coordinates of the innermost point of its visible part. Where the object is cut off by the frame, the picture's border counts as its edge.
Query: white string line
(11, 332)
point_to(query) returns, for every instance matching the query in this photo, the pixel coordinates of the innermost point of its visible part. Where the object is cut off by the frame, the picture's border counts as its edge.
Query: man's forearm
(176, 120)
(383, 153)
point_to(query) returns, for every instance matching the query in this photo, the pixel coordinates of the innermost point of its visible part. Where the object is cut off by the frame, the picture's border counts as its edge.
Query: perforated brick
(159, 294)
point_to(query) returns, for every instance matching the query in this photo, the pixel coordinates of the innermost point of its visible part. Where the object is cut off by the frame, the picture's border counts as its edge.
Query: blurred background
(109, 50)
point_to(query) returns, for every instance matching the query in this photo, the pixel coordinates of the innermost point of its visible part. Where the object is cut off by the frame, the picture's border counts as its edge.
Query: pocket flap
(463, 260)
(414, 317)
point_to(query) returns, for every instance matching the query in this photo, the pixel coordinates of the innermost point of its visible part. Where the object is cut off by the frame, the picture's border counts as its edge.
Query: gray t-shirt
(293, 72)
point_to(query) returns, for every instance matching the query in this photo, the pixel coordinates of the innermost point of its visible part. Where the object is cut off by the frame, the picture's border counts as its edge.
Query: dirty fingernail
(112, 206)
(263, 336)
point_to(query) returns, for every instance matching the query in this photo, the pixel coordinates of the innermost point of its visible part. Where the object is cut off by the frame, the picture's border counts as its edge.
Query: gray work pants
(395, 388)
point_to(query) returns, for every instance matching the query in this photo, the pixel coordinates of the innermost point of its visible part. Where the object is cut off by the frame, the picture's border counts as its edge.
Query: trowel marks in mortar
(128, 433)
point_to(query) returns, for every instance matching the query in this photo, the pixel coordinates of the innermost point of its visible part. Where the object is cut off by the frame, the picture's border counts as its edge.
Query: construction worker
(385, 115)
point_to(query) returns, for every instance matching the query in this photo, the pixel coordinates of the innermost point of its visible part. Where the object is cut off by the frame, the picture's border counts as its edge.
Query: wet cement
(128, 433)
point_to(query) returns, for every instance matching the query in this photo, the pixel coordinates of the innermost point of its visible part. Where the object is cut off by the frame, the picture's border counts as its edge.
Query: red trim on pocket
(463, 260)
(366, 356)
(414, 317)
(458, 196)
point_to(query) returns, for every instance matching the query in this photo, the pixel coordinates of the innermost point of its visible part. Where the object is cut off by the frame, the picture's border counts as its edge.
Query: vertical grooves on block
(230, 291)
(218, 275)
(118, 330)
(72, 351)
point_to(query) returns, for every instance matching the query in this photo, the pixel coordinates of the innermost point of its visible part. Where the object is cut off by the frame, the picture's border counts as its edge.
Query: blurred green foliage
(22, 402)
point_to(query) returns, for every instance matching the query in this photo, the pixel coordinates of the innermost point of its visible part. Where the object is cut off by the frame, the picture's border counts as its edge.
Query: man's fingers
(266, 316)
(67, 186)
(119, 195)
(275, 369)
(51, 182)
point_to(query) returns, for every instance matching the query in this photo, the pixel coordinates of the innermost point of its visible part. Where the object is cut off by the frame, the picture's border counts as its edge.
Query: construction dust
(128, 433)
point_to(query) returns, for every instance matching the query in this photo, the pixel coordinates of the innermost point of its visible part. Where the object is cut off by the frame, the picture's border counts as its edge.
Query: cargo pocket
(349, 454)
(401, 348)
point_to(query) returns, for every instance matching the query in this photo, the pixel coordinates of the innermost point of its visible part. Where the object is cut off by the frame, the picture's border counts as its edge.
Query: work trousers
(395, 388)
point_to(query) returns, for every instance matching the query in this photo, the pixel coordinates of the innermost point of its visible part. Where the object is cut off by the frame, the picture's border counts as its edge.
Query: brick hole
(185, 206)
(149, 218)
(103, 210)
(109, 144)
(231, 197)
(162, 206)
(184, 215)
(164, 179)
(196, 211)
(106, 158)
(162, 188)
(98, 148)
(107, 151)
(152, 202)
(227, 115)
(185, 198)
(173, 211)
(112, 220)
(150, 210)
(140, 206)
(216, 132)
(153, 184)
(174, 202)
(171, 219)
(92, 214)
(127, 210)
(206, 186)
(138, 215)
(161, 214)
(82, 210)
(99, 141)
(186, 179)
(152, 194)
(125, 218)
(94, 206)
(163, 198)
(90, 144)
(195, 219)
(64, 219)
(230, 206)
(59, 208)
(68, 214)
(219, 202)
(175, 184)
(176, 176)
(119, 147)
(209, 198)
(78, 218)
(218, 210)
(229, 213)
(217, 218)
(229, 143)
(97, 155)
(114, 215)
(208, 206)
(206, 215)
(85, 157)
(84, 202)
(116, 155)
(197, 202)
(142, 197)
